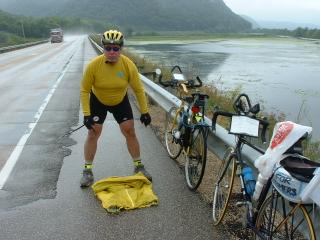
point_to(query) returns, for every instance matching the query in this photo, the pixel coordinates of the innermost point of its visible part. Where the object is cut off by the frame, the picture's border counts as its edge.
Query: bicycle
(273, 215)
(185, 127)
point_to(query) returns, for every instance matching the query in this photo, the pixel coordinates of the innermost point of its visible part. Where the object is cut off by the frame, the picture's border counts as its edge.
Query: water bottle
(249, 180)
(177, 134)
(259, 185)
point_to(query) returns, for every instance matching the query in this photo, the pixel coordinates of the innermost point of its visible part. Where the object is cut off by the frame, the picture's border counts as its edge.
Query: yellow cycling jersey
(110, 81)
(130, 192)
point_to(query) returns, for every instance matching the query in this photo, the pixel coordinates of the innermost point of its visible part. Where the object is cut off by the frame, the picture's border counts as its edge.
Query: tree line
(298, 32)
(15, 29)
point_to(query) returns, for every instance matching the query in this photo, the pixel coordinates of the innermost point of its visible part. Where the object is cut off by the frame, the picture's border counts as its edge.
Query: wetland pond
(282, 74)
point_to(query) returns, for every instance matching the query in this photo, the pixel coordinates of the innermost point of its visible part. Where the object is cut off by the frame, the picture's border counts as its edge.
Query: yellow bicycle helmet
(112, 37)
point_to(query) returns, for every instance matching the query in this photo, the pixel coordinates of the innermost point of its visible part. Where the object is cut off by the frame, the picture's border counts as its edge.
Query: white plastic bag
(311, 191)
(285, 134)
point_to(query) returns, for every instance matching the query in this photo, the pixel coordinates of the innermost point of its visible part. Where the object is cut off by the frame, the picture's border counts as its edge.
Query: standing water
(281, 74)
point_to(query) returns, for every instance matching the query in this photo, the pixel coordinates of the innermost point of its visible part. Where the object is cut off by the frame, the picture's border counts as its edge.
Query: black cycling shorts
(121, 112)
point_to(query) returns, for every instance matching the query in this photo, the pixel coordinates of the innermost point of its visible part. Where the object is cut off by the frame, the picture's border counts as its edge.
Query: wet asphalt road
(41, 198)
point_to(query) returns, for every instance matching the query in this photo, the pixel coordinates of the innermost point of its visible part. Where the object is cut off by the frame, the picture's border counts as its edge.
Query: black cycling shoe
(140, 168)
(87, 178)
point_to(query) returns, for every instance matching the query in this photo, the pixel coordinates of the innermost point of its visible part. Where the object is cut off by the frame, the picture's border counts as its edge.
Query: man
(104, 89)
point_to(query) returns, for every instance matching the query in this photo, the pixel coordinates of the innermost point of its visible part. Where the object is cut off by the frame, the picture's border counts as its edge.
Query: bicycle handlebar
(263, 123)
(175, 83)
(200, 82)
(174, 67)
(239, 105)
(219, 113)
(190, 83)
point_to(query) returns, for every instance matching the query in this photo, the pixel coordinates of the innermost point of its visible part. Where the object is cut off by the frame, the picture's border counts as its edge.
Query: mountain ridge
(140, 15)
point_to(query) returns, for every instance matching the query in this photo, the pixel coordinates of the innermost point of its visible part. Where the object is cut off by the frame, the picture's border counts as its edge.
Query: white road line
(10, 163)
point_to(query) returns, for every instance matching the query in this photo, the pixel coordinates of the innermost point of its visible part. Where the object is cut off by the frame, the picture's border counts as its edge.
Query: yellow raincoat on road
(116, 193)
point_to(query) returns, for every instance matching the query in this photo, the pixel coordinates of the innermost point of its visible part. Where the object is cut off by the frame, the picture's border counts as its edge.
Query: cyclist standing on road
(104, 89)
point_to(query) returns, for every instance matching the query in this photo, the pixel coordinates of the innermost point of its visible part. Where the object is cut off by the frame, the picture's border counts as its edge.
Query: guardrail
(218, 141)
(15, 47)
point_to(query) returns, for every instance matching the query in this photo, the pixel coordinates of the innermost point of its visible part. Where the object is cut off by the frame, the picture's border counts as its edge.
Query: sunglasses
(108, 49)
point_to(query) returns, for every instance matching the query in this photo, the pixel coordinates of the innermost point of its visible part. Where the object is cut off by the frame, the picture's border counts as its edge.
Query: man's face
(112, 52)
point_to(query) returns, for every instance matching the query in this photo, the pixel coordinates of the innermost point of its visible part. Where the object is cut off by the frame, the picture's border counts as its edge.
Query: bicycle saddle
(299, 167)
(200, 98)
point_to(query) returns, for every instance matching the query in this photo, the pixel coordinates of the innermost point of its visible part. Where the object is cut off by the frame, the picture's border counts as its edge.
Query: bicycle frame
(240, 163)
(187, 118)
(186, 130)
(183, 114)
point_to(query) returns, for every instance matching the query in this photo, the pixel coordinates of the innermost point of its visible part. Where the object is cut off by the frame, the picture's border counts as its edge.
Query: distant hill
(254, 23)
(139, 15)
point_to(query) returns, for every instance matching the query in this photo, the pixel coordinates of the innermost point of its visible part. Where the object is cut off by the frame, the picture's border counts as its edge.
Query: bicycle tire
(173, 146)
(196, 158)
(298, 225)
(223, 185)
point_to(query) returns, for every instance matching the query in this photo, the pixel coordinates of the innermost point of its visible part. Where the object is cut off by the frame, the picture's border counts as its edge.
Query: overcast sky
(300, 11)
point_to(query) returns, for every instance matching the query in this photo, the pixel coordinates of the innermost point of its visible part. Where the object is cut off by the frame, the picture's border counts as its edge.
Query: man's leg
(90, 148)
(127, 129)
(90, 145)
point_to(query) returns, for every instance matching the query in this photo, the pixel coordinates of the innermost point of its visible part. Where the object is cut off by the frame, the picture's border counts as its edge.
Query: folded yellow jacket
(116, 193)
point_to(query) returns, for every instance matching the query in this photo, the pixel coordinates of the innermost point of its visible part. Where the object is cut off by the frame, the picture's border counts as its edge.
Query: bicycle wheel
(223, 186)
(280, 219)
(173, 144)
(196, 158)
